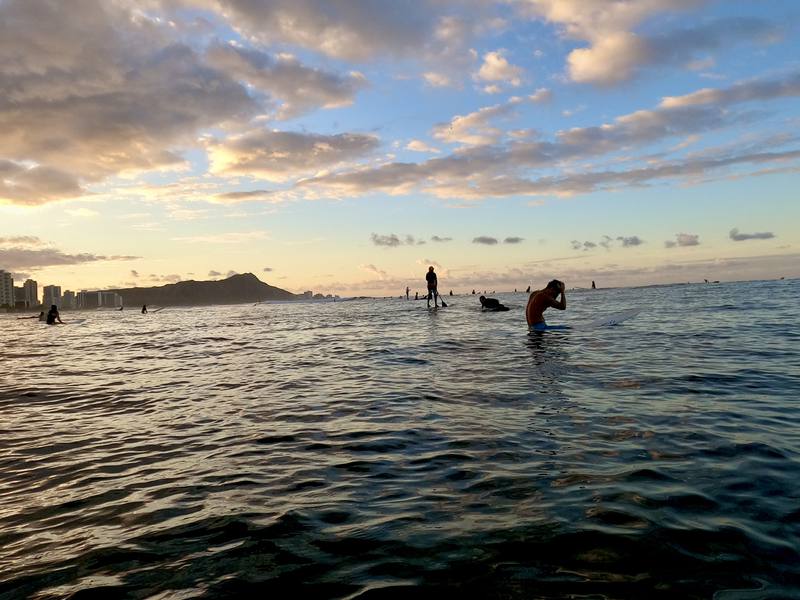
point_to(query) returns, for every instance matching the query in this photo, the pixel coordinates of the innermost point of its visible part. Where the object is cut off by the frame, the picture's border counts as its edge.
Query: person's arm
(560, 304)
(58, 318)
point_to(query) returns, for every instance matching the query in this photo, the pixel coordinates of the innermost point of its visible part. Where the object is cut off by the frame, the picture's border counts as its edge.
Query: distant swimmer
(594, 287)
(416, 295)
(144, 309)
(451, 292)
(528, 291)
(473, 292)
(433, 285)
(53, 317)
(492, 304)
(121, 308)
(542, 300)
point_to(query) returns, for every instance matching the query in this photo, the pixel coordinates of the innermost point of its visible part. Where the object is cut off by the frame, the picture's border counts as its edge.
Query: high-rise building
(31, 292)
(110, 300)
(51, 295)
(68, 300)
(6, 289)
(88, 299)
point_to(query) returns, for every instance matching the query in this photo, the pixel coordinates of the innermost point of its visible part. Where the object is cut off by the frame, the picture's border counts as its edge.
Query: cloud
(420, 146)
(683, 239)
(93, 90)
(27, 252)
(437, 79)
(475, 128)
(233, 237)
(284, 155)
(268, 269)
(736, 236)
(389, 241)
(230, 274)
(496, 68)
(134, 274)
(617, 53)
(392, 240)
(630, 241)
(606, 242)
(623, 55)
(786, 86)
(585, 246)
(358, 31)
(492, 167)
(441, 240)
(541, 96)
(485, 240)
(214, 273)
(295, 87)
(382, 275)
(244, 196)
(513, 240)
(35, 185)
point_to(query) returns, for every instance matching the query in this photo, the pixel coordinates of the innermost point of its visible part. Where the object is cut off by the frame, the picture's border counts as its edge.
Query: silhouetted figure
(473, 292)
(416, 295)
(492, 304)
(433, 287)
(528, 291)
(408, 290)
(451, 292)
(542, 300)
(121, 308)
(144, 309)
(594, 287)
(53, 317)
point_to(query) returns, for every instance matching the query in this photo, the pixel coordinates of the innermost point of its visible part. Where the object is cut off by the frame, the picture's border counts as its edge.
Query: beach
(359, 449)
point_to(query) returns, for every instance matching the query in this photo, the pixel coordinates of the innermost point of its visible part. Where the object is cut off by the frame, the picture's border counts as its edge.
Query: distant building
(88, 299)
(19, 297)
(68, 300)
(6, 289)
(308, 294)
(31, 292)
(51, 294)
(110, 300)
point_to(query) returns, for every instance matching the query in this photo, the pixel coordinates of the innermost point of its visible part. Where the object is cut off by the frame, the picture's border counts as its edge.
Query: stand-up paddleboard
(615, 318)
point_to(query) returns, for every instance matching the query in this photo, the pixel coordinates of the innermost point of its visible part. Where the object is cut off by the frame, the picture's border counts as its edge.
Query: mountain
(233, 290)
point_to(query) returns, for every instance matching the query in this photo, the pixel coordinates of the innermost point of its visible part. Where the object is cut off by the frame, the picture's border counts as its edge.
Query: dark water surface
(354, 450)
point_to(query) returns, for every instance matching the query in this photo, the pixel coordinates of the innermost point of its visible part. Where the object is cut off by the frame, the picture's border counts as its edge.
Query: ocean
(376, 449)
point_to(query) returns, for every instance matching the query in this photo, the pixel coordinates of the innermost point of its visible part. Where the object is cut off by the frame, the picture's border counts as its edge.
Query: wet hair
(482, 298)
(53, 307)
(555, 284)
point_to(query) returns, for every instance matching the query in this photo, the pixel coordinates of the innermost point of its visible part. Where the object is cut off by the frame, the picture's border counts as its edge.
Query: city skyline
(344, 147)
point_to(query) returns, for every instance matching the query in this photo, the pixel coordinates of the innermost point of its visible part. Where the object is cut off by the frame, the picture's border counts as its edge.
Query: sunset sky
(342, 146)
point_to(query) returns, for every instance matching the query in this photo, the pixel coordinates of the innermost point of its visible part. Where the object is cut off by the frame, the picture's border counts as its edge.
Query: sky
(343, 146)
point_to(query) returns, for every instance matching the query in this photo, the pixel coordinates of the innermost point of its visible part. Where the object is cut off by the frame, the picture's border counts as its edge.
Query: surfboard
(615, 318)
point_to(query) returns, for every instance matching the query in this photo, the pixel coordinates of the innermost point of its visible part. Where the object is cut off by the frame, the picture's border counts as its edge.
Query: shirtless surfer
(542, 300)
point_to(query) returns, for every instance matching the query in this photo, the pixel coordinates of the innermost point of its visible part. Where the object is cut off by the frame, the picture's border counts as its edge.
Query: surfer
(542, 300)
(433, 285)
(144, 309)
(492, 304)
(53, 316)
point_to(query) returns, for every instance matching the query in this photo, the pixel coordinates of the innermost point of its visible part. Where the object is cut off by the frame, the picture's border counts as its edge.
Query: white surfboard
(615, 318)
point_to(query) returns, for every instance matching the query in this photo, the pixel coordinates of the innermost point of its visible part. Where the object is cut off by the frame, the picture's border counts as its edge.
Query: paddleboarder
(433, 285)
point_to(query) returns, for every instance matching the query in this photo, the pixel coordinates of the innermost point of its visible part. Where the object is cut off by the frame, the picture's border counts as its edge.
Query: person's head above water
(554, 287)
(53, 307)
(482, 299)
(430, 269)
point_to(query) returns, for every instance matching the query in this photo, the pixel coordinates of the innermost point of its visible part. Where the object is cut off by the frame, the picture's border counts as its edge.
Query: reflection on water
(355, 449)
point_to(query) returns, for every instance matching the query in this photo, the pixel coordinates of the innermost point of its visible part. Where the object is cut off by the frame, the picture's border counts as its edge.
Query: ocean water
(375, 449)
